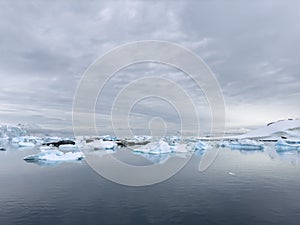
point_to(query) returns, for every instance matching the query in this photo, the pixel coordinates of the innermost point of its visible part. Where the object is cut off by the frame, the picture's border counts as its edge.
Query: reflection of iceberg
(199, 153)
(155, 158)
(282, 145)
(289, 157)
(54, 155)
(243, 144)
(48, 163)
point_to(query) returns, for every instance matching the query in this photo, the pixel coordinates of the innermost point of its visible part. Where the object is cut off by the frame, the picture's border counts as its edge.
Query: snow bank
(277, 128)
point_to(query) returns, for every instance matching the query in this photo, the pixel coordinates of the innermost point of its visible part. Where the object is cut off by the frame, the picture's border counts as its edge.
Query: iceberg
(55, 155)
(158, 147)
(243, 144)
(46, 148)
(68, 147)
(7, 131)
(26, 144)
(282, 145)
(154, 158)
(142, 138)
(198, 145)
(172, 140)
(24, 141)
(100, 144)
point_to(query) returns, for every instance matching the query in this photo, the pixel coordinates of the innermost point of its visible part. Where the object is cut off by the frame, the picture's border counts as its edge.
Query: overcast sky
(251, 46)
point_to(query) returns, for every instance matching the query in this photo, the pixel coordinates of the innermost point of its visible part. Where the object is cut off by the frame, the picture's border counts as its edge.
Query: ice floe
(55, 155)
(243, 144)
(157, 147)
(101, 144)
(285, 145)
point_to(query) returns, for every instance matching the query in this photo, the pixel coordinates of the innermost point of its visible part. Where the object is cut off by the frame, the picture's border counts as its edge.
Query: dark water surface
(239, 188)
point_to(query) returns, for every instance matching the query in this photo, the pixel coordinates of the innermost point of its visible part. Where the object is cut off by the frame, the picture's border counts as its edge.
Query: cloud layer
(252, 47)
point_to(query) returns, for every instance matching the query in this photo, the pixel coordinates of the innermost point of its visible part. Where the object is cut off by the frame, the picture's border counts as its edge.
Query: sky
(252, 47)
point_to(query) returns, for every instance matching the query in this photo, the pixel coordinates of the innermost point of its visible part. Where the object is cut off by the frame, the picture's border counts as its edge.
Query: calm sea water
(260, 187)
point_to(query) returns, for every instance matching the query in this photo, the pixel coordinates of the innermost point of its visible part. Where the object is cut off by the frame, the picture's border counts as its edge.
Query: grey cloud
(45, 47)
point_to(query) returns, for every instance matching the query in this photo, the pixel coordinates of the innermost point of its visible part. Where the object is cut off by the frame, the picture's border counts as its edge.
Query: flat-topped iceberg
(243, 144)
(55, 155)
(285, 145)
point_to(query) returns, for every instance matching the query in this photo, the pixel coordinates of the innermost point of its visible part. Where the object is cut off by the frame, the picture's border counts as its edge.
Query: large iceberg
(55, 155)
(243, 144)
(285, 145)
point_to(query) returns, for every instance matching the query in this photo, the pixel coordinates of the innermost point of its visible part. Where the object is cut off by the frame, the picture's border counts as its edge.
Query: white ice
(158, 147)
(100, 144)
(282, 145)
(55, 155)
(68, 147)
(244, 144)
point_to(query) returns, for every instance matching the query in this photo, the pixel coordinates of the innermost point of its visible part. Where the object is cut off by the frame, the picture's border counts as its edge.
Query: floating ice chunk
(100, 144)
(68, 147)
(46, 148)
(24, 141)
(197, 146)
(142, 138)
(55, 155)
(108, 138)
(158, 147)
(244, 144)
(172, 140)
(282, 145)
(26, 144)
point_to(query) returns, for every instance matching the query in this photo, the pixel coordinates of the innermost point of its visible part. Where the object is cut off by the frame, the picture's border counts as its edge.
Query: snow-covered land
(289, 128)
